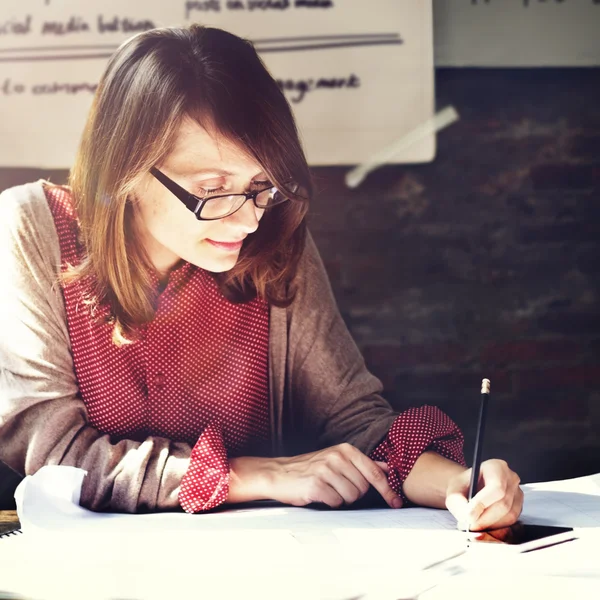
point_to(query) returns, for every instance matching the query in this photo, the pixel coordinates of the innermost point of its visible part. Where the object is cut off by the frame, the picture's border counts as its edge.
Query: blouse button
(160, 380)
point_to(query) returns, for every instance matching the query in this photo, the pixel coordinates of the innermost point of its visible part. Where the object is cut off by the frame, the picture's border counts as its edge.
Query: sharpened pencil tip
(485, 386)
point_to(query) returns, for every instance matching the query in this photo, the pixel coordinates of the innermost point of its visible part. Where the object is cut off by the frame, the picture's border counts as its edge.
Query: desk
(8, 521)
(283, 552)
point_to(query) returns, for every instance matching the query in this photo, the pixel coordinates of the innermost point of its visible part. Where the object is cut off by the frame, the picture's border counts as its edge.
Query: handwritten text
(300, 87)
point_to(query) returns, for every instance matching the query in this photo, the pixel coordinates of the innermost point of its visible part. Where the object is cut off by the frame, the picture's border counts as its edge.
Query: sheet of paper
(270, 548)
(522, 586)
(359, 75)
(572, 502)
(373, 554)
(47, 502)
(516, 33)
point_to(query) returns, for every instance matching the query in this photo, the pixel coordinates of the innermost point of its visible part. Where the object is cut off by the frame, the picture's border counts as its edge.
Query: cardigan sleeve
(42, 418)
(330, 396)
(334, 398)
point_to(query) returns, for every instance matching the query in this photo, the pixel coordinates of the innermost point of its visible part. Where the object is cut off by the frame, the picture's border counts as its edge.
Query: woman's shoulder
(311, 279)
(26, 206)
(24, 194)
(26, 221)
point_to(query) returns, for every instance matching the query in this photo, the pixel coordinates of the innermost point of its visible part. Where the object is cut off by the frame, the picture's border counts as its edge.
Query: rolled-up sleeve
(413, 432)
(205, 484)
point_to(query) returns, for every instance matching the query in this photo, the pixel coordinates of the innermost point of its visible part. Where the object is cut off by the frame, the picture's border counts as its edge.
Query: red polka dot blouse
(199, 374)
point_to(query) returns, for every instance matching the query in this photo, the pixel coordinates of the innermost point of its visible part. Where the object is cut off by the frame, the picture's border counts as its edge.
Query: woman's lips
(227, 246)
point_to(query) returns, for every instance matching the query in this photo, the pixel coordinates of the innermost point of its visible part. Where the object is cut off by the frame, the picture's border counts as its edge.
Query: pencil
(485, 394)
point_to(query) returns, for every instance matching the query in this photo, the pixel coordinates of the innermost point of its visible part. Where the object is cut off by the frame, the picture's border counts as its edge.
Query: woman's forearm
(334, 476)
(428, 480)
(249, 479)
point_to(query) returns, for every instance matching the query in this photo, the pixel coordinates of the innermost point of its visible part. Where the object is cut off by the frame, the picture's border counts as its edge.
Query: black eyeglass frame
(195, 204)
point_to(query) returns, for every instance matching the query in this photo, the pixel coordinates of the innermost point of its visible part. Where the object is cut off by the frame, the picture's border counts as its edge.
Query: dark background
(483, 263)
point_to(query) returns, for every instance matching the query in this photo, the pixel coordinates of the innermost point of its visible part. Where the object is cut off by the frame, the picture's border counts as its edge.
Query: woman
(169, 327)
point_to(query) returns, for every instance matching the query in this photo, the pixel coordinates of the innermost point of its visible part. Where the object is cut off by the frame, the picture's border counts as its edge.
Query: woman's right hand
(335, 476)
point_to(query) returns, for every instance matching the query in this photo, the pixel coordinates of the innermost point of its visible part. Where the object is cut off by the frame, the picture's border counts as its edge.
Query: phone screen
(524, 537)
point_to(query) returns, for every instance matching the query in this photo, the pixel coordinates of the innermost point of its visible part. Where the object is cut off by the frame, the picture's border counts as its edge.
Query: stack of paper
(275, 551)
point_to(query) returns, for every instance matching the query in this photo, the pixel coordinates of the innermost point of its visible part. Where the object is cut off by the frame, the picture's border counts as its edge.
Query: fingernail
(473, 516)
(397, 502)
(475, 512)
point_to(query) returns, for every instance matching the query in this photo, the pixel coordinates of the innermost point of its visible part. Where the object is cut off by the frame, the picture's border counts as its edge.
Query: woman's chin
(216, 265)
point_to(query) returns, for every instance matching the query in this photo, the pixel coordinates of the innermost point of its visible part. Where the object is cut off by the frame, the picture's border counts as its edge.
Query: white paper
(517, 33)
(47, 502)
(347, 553)
(381, 51)
(502, 585)
(278, 551)
(573, 503)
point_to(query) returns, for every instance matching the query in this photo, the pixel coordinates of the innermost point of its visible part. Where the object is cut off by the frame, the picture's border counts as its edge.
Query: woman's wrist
(251, 478)
(427, 483)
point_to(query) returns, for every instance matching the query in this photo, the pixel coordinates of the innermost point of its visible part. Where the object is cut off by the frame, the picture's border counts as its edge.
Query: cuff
(412, 433)
(205, 484)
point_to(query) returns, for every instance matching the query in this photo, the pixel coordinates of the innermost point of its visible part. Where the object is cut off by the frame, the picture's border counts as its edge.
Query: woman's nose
(247, 217)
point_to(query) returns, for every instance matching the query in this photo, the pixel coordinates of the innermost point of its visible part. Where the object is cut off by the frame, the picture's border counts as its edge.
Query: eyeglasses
(219, 207)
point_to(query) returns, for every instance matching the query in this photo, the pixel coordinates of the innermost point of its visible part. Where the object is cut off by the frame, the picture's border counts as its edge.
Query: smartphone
(522, 537)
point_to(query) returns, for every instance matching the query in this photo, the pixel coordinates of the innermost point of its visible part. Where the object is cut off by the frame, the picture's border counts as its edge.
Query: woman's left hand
(497, 503)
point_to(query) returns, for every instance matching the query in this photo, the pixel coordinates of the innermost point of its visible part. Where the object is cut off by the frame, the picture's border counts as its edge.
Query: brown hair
(154, 81)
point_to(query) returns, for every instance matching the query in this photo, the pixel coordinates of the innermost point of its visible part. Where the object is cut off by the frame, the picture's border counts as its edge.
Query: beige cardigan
(320, 391)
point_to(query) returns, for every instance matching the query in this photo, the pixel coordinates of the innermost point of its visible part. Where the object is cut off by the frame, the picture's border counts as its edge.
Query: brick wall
(484, 263)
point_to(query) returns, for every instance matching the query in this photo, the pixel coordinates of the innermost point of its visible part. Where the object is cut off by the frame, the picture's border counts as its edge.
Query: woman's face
(204, 164)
